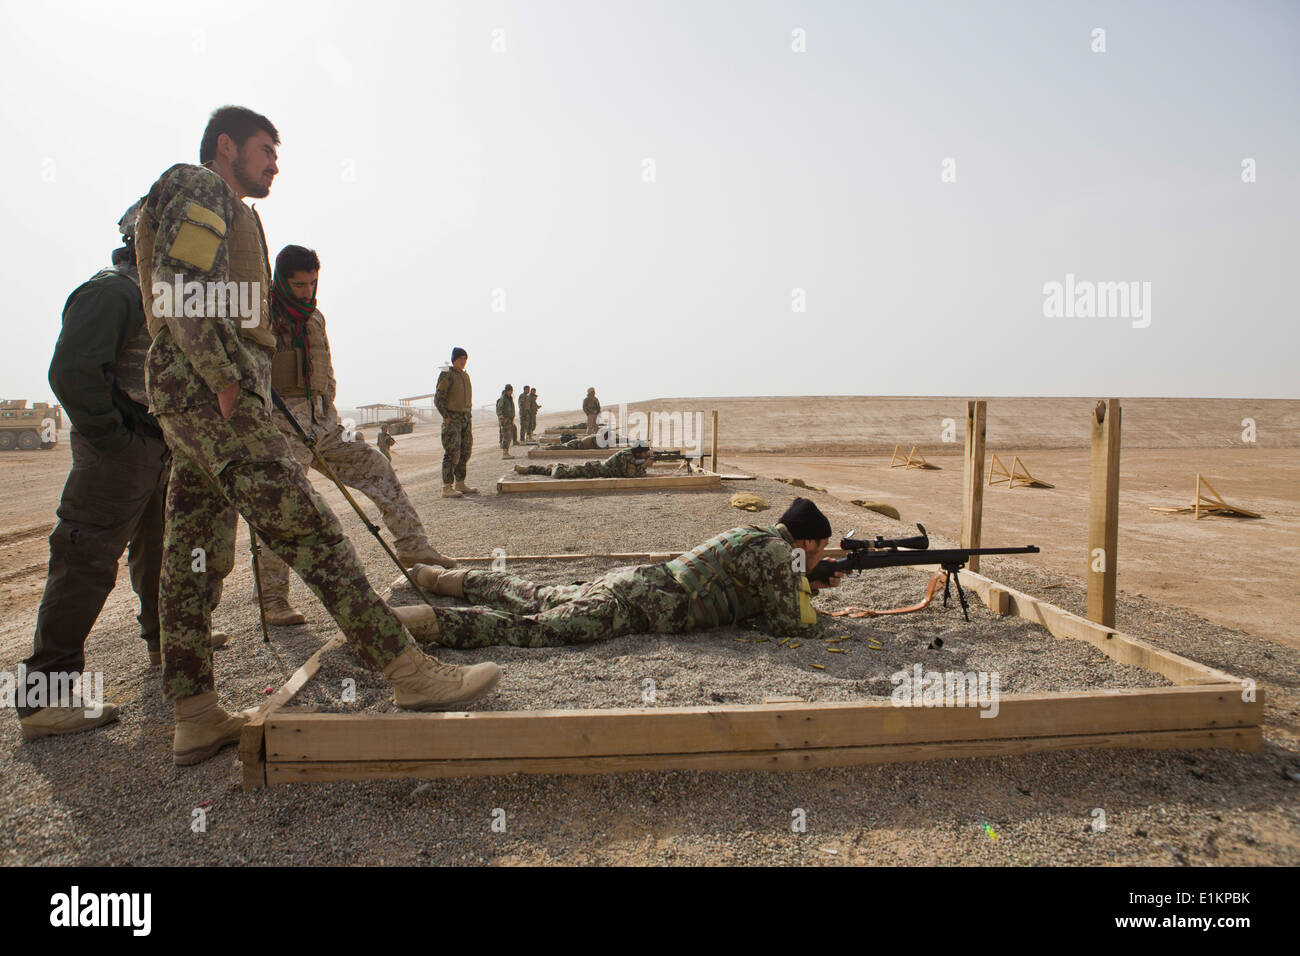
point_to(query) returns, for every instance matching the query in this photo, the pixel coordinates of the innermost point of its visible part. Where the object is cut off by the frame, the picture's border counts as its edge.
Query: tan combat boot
(436, 580)
(280, 613)
(427, 555)
(505, 453)
(465, 489)
(49, 721)
(449, 491)
(219, 639)
(202, 728)
(425, 683)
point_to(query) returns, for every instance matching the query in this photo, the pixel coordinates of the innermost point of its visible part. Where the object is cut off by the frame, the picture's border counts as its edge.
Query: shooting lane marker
(972, 497)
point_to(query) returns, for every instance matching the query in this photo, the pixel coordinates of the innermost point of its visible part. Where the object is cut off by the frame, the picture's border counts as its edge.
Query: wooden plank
(593, 733)
(715, 440)
(252, 737)
(569, 485)
(998, 601)
(1245, 738)
(1103, 513)
(1117, 646)
(972, 500)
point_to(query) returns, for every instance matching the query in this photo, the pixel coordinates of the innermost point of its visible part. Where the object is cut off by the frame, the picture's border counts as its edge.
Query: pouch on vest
(286, 371)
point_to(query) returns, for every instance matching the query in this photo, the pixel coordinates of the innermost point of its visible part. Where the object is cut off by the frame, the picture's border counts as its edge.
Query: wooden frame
(544, 486)
(1208, 708)
(1208, 504)
(1017, 474)
(914, 459)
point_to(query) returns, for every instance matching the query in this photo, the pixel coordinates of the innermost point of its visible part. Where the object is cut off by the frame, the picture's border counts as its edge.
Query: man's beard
(254, 188)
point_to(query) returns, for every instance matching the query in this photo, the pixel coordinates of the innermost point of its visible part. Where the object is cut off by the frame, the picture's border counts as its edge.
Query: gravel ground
(113, 796)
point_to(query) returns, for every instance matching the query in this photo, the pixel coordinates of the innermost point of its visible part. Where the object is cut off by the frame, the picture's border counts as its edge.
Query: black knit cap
(457, 352)
(805, 521)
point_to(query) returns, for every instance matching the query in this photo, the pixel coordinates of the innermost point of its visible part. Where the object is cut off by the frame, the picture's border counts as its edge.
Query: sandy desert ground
(1165, 807)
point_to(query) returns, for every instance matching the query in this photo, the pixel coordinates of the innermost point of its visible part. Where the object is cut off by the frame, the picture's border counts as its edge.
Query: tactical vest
(127, 367)
(288, 375)
(704, 573)
(246, 245)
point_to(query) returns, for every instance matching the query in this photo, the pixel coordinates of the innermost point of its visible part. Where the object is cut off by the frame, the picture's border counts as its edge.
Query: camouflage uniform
(621, 464)
(357, 464)
(602, 439)
(745, 574)
(192, 225)
(385, 442)
(505, 420)
(591, 405)
(454, 390)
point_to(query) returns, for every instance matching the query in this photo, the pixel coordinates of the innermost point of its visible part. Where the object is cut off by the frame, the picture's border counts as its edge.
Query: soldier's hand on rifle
(832, 582)
(226, 399)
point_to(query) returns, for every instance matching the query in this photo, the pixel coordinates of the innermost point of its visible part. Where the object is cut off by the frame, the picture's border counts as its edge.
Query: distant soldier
(506, 419)
(302, 372)
(605, 437)
(628, 463)
(591, 405)
(385, 442)
(453, 397)
(209, 383)
(521, 427)
(744, 574)
(534, 405)
(114, 494)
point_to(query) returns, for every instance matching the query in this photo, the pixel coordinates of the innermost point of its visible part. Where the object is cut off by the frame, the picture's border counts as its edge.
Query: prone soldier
(302, 372)
(628, 463)
(209, 384)
(744, 574)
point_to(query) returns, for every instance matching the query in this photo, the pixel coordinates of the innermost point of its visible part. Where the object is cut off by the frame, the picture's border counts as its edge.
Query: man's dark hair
(236, 122)
(524, 388)
(457, 352)
(296, 259)
(508, 388)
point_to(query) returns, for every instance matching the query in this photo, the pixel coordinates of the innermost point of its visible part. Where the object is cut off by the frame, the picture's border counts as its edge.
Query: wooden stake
(972, 500)
(1103, 515)
(714, 469)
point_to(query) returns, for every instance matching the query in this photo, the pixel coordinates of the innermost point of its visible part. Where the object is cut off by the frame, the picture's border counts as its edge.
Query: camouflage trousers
(457, 443)
(641, 600)
(506, 434)
(358, 466)
(221, 467)
(588, 469)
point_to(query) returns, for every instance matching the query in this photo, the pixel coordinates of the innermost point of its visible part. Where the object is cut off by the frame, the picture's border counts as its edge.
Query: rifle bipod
(952, 578)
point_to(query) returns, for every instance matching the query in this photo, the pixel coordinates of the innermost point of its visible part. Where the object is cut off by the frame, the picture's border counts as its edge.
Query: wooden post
(715, 441)
(972, 499)
(1103, 514)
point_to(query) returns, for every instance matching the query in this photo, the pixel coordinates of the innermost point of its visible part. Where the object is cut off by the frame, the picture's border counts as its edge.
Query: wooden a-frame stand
(1208, 502)
(914, 459)
(1018, 474)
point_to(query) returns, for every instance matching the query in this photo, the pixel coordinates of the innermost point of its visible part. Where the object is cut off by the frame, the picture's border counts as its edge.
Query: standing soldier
(385, 442)
(591, 405)
(115, 492)
(209, 384)
(452, 397)
(521, 426)
(533, 405)
(506, 419)
(302, 372)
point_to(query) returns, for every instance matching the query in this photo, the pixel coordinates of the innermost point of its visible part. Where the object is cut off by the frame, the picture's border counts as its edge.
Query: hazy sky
(436, 153)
